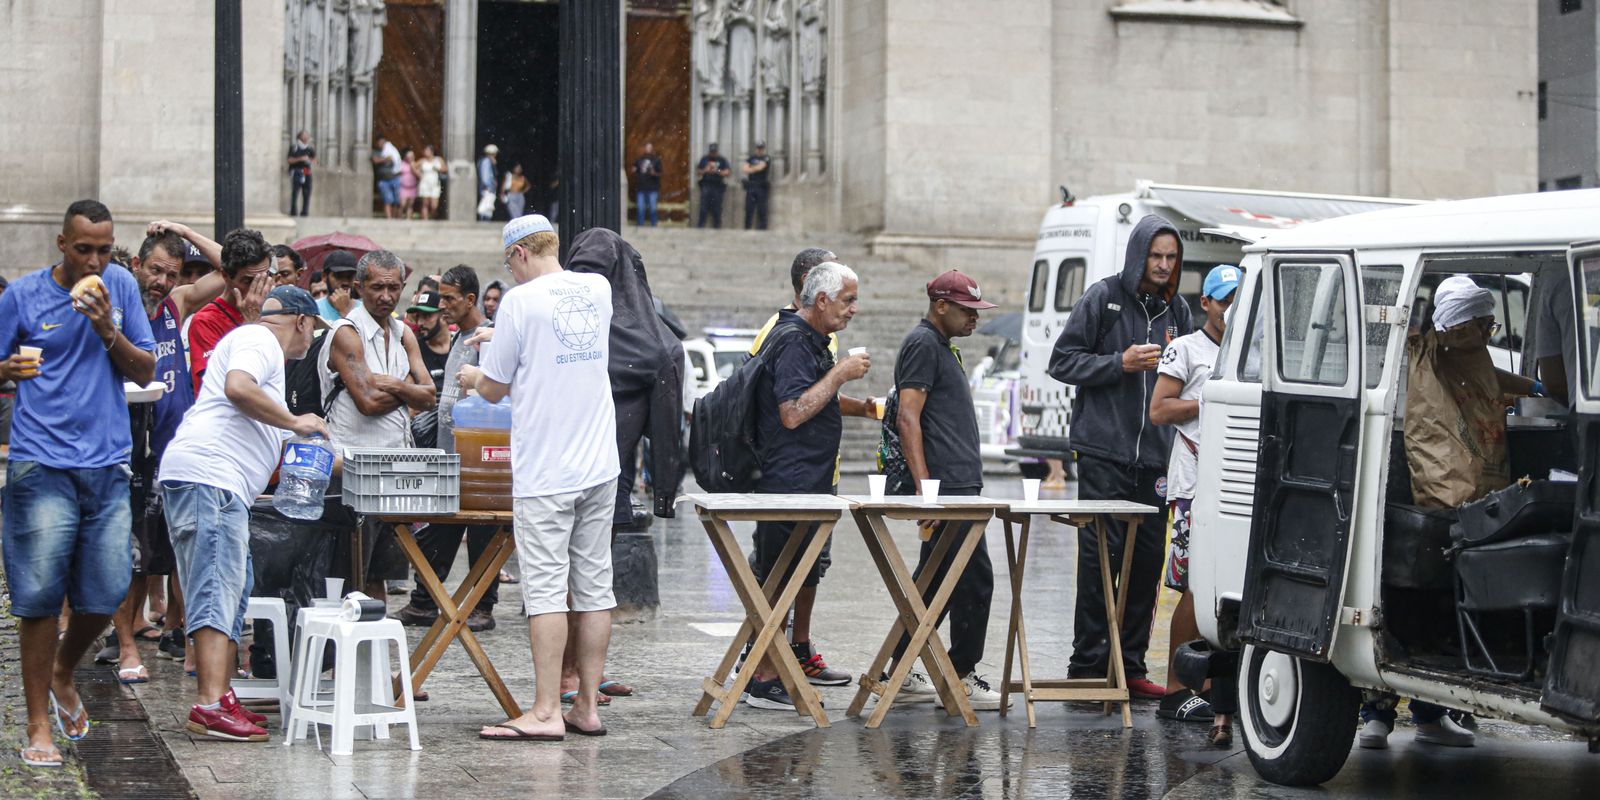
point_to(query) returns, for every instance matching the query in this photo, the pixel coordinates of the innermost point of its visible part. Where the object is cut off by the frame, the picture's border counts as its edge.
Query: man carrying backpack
(798, 424)
(1109, 349)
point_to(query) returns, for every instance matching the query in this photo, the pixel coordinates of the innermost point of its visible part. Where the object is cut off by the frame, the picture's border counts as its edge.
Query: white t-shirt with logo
(217, 445)
(1190, 358)
(551, 342)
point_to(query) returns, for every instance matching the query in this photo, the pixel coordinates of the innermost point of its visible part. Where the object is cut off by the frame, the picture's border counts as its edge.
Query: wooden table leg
(769, 589)
(1115, 596)
(880, 544)
(1016, 635)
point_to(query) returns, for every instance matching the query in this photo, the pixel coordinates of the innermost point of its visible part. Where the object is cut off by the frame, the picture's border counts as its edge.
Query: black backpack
(723, 451)
(302, 387)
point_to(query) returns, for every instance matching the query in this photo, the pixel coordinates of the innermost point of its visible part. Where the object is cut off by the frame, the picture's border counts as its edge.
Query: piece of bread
(86, 284)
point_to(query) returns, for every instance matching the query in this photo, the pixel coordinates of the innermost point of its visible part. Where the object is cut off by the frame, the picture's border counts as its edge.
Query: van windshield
(1589, 305)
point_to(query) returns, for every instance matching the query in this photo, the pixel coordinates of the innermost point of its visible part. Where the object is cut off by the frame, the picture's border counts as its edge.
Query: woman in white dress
(429, 167)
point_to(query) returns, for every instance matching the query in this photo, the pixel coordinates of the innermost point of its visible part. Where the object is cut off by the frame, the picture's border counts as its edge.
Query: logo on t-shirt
(577, 323)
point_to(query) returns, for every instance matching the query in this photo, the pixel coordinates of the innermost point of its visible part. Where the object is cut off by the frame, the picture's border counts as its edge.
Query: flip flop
(615, 689)
(505, 577)
(522, 735)
(61, 724)
(143, 634)
(160, 620)
(42, 760)
(568, 697)
(571, 728)
(131, 675)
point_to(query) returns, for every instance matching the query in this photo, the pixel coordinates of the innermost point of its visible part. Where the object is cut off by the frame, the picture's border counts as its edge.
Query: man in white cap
(549, 354)
(487, 185)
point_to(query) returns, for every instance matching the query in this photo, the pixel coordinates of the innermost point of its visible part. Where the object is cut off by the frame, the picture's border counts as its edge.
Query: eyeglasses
(1491, 329)
(509, 253)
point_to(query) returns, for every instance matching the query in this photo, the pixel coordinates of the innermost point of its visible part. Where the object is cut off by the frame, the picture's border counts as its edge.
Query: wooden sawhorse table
(1100, 514)
(453, 610)
(766, 605)
(963, 520)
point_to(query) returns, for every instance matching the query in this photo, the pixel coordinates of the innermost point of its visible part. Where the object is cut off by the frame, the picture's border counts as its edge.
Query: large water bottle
(307, 466)
(475, 412)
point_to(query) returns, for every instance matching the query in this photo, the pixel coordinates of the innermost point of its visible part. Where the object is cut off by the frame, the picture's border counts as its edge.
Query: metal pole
(590, 132)
(229, 123)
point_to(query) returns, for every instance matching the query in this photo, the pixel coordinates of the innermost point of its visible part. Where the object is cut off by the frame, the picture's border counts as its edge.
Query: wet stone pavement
(655, 748)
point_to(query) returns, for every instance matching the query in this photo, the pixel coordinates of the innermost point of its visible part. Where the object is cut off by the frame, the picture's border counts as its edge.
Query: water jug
(483, 438)
(307, 466)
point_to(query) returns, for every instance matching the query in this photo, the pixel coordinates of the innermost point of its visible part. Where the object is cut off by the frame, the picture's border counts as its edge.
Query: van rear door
(1308, 458)
(1572, 686)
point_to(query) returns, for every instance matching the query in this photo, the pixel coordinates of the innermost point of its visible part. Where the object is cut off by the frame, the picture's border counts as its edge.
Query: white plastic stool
(327, 609)
(361, 694)
(270, 609)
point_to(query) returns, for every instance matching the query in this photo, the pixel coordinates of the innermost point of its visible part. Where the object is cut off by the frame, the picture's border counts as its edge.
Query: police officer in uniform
(757, 184)
(713, 171)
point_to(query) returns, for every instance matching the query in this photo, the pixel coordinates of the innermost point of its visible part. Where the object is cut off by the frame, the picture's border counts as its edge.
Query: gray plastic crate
(382, 480)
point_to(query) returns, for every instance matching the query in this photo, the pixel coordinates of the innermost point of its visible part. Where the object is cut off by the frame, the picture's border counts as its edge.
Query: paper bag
(1455, 423)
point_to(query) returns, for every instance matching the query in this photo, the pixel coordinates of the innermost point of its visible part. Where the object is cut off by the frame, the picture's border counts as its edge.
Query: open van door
(1572, 686)
(1308, 457)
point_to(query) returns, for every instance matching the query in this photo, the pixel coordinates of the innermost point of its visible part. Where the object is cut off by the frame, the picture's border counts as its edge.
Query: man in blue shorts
(68, 525)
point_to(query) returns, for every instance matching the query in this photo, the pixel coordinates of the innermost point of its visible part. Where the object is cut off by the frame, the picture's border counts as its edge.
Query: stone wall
(860, 80)
(1569, 136)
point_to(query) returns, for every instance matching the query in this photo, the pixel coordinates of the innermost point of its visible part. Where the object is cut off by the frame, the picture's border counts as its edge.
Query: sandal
(43, 759)
(148, 633)
(615, 689)
(62, 719)
(568, 697)
(131, 675)
(1220, 736)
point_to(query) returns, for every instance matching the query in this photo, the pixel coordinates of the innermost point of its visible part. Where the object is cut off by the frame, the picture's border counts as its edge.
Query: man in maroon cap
(938, 431)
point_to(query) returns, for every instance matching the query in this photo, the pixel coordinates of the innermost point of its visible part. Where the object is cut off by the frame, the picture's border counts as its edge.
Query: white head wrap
(1459, 300)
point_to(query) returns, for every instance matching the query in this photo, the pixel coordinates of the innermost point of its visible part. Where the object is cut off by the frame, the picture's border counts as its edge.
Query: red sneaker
(219, 723)
(230, 703)
(1144, 689)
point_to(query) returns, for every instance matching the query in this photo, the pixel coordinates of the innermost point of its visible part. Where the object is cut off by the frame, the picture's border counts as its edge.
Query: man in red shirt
(246, 257)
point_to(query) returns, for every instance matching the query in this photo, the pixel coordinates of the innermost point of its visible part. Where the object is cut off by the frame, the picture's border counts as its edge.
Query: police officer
(756, 184)
(713, 171)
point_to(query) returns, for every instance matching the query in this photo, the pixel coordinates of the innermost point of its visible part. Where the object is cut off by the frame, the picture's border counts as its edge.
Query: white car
(715, 356)
(1307, 563)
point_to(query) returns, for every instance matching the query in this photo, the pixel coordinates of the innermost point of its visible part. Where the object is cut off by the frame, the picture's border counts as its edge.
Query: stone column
(228, 128)
(460, 107)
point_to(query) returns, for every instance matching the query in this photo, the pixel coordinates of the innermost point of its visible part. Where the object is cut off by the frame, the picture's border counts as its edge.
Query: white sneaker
(979, 695)
(916, 689)
(1444, 732)
(1374, 735)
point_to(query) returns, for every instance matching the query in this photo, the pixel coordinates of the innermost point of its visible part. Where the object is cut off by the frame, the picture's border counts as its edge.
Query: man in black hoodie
(1109, 349)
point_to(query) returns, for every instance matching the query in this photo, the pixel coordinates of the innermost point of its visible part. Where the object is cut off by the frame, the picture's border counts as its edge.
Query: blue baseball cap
(1221, 281)
(294, 301)
(524, 226)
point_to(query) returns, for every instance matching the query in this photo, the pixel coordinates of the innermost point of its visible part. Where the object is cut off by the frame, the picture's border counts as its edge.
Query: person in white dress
(429, 168)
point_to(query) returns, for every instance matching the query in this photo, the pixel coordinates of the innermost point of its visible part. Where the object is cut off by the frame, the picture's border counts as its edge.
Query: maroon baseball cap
(958, 288)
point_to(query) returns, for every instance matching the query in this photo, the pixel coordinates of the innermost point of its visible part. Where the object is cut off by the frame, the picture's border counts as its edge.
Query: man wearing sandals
(549, 354)
(221, 458)
(68, 524)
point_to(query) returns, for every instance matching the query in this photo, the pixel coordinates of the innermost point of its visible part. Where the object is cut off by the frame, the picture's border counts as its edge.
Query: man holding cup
(938, 429)
(79, 331)
(1109, 349)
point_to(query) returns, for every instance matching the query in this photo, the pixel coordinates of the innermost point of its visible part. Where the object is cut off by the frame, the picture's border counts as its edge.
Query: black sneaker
(172, 646)
(111, 653)
(818, 673)
(1185, 706)
(479, 621)
(418, 618)
(769, 695)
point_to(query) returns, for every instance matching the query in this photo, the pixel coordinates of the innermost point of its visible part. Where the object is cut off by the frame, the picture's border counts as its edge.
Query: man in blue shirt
(68, 524)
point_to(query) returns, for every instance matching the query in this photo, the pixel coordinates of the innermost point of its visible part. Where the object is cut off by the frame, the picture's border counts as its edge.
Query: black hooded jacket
(1111, 415)
(645, 356)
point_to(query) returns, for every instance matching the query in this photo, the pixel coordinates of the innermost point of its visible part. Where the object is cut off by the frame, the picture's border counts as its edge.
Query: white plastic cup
(856, 351)
(335, 587)
(876, 484)
(1030, 489)
(930, 492)
(29, 351)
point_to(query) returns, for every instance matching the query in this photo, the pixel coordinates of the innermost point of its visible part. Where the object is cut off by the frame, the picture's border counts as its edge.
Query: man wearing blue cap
(221, 458)
(1185, 367)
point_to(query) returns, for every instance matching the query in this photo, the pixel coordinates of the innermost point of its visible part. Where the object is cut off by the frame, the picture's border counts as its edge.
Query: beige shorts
(564, 543)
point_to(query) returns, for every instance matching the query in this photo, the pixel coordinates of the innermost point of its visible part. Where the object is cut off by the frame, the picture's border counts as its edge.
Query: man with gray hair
(373, 373)
(798, 422)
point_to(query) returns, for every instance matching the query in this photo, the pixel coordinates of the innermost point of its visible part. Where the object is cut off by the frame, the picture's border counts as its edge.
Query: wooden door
(656, 109)
(408, 88)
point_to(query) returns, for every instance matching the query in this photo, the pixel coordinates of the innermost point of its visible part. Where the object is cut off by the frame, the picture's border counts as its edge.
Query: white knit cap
(524, 226)
(1459, 300)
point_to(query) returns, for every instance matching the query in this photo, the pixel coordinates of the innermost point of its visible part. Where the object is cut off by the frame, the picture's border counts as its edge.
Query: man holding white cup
(938, 429)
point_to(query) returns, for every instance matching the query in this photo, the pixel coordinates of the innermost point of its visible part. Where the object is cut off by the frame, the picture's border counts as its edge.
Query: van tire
(1298, 716)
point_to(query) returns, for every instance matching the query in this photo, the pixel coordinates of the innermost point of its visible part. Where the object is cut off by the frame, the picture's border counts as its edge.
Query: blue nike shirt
(75, 414)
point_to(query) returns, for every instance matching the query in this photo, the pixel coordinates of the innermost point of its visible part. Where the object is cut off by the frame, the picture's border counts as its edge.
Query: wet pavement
(655, 748)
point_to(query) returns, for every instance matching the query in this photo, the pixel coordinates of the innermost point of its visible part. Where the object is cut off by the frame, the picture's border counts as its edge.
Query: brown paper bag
(1455, 423)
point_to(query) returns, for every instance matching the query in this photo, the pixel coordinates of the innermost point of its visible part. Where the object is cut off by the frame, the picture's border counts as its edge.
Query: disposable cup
(878, 406)
(1030, 489)
(335, 587)
(876, 484)
(930, 492)
(29, 351)
(856, 351)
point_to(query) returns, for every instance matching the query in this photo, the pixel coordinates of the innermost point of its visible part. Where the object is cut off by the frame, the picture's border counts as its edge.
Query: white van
(1081, 242)
(1307, 560)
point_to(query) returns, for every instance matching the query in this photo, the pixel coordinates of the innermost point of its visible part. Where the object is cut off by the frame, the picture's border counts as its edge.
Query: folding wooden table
(766, 605)
(963, 520)
(1101, 514)
(453, 610)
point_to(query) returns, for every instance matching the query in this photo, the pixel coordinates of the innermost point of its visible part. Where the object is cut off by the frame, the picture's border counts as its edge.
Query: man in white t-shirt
(221, 458)
(1185, 367)
(549, 353)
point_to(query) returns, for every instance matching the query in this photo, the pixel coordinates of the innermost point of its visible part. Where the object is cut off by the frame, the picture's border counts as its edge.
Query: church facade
(932, 127)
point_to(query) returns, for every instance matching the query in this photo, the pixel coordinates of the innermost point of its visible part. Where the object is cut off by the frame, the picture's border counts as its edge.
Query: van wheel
(1034, 469)
(1299, 717)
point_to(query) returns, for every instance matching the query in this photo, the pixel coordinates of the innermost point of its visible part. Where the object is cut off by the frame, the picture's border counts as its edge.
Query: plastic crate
(382, 480)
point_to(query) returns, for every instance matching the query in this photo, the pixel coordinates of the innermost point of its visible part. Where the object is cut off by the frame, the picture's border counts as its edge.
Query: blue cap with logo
(1221, 281)
(294, 301)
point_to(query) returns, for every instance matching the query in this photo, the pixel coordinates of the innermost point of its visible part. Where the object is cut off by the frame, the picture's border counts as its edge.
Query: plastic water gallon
(307, 466)
(483, 439)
